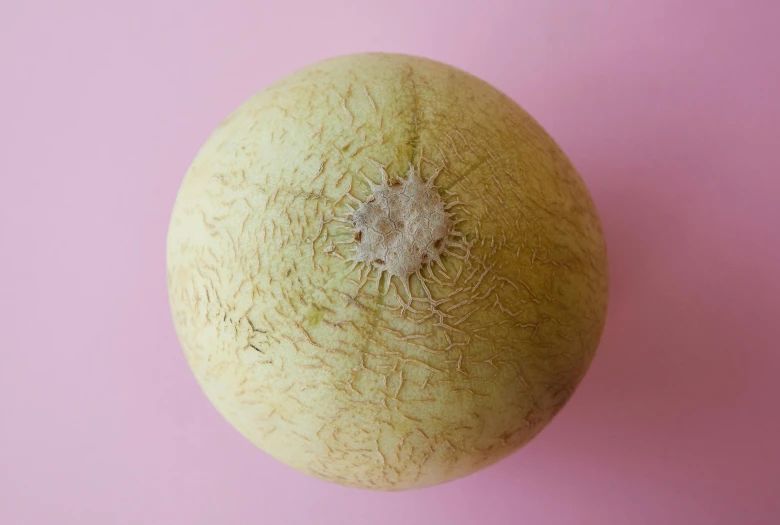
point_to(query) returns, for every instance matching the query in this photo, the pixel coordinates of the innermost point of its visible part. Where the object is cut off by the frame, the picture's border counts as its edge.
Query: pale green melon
(384, 273)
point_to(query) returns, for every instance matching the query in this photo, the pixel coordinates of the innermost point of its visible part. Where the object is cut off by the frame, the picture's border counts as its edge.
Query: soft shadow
(676, 401)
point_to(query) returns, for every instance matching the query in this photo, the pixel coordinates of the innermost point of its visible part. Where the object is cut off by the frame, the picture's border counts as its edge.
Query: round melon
(384, 273)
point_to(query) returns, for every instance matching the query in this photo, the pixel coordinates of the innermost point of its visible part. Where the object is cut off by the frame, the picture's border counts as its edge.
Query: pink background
(671, 111)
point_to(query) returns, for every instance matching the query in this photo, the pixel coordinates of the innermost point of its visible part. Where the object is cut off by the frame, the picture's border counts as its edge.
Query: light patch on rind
(402, 226)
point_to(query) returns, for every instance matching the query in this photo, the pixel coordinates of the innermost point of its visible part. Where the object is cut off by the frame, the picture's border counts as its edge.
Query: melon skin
(385, 376)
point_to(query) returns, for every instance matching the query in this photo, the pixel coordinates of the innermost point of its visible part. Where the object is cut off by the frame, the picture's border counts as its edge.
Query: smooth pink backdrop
(671, 111)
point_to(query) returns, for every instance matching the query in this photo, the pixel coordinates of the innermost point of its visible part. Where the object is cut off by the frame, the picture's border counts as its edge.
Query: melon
(384, 273)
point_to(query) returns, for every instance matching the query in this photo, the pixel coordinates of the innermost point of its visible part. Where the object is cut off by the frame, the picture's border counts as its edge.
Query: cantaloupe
(384, 273)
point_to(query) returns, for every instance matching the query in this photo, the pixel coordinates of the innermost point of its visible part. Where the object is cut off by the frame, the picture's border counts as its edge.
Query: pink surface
(671, 111)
